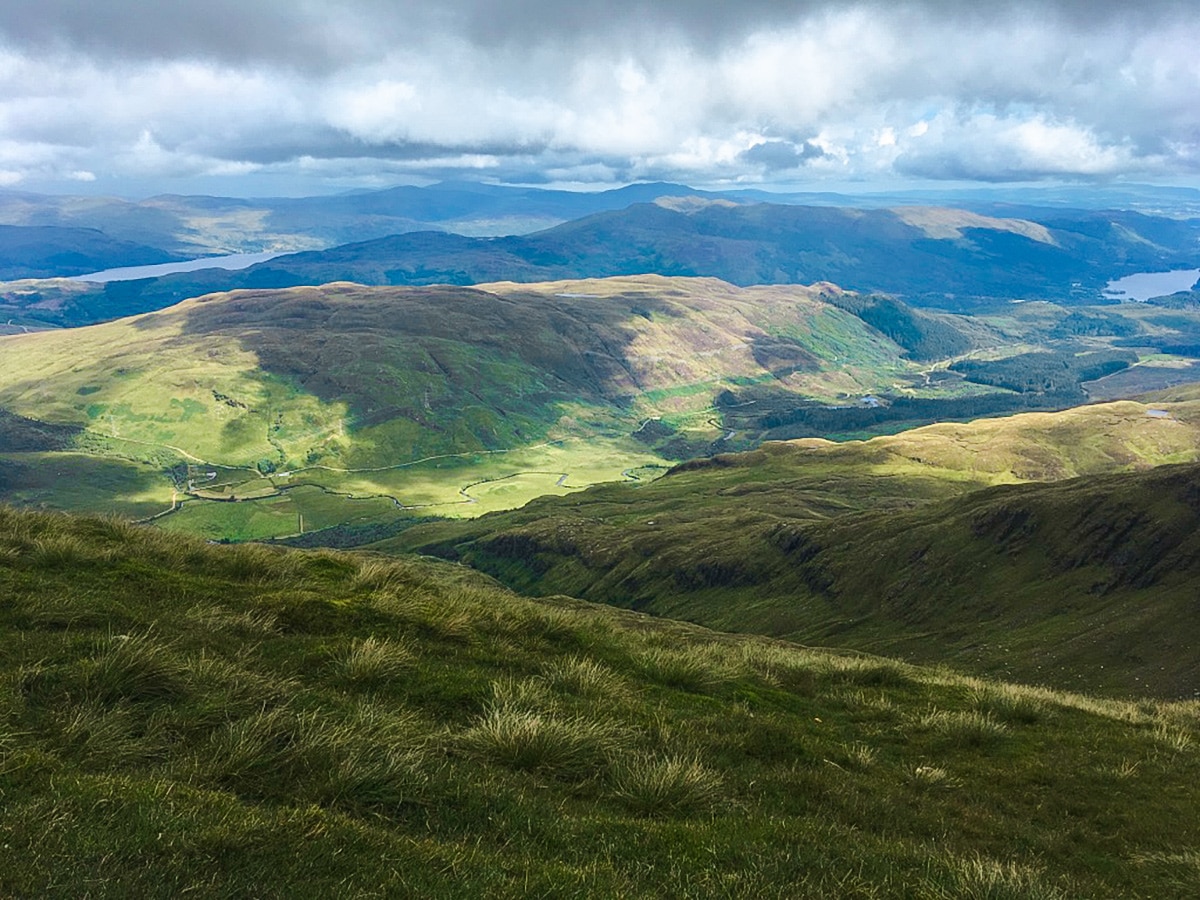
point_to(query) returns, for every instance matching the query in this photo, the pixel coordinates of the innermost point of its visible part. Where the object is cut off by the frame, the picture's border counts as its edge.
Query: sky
(257, 97)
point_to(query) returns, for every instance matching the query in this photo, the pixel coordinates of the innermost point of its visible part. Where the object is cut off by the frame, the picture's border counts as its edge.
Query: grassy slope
(447, 382)
(836, 543)
(183, 718)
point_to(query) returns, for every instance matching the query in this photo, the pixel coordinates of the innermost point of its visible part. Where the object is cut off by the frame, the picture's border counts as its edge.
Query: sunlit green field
(454, 487)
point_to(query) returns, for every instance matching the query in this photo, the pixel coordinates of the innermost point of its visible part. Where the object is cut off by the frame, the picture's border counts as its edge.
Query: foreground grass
(230, 721)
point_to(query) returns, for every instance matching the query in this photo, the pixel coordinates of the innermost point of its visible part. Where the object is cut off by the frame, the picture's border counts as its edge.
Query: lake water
(129, 273)
(1144, 285)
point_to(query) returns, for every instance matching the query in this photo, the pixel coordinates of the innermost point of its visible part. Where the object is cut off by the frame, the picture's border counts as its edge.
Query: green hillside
(886, 545)
(267, 413)
(318, 406)
(180, 718)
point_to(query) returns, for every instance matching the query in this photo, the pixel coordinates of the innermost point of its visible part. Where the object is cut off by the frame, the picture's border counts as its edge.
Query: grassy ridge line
(838, 543)
(180, 717)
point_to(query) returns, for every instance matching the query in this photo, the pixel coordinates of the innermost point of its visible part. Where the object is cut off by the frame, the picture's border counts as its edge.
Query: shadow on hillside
(429, 353)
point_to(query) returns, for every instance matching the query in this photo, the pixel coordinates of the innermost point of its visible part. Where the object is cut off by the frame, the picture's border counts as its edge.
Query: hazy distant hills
(949, 258)
(47, 251)
(933, 254)
(199, 225)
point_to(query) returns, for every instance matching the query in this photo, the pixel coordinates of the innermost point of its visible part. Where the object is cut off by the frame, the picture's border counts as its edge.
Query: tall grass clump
(1009, 703)
(378, 759)
(252, 755)
(379, 575)
(100, 734)
(665, 786)
(858, 755)
(1181, 870)
(790, 670)
(689, 669)
(968, 728)
(1172, 738)
(373, 661)
(980, 878)
(60, 551)
(256, 564)
(566, 747)
(135, 668)
(218, 618)
(931, 777)
(866, 671)
(584, 677)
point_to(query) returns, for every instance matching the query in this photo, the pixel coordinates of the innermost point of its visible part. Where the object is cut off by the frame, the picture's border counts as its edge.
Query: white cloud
(381, 90)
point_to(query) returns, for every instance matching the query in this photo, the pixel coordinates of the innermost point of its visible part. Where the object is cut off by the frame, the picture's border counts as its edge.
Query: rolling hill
(441, 399)
(899, 545)
(268, 412)
(180, 718)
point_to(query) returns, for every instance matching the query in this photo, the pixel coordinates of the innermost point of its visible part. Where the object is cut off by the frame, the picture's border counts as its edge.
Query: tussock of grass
(1179, 870)
(1009, 703)
(875, 702)
(571, 747)
(931, 777)
(217, 618)
(60, 550)
(964, 728)
(665, 786)
(1123, 771)
(250, 754)
(374, 661)
(532, 695)
(379, 575)
(867, 672)
(980, 878)
(686, 669)
(135, 668)
(1173, 738)
(859, 756)
(100, 734)
(585, 678)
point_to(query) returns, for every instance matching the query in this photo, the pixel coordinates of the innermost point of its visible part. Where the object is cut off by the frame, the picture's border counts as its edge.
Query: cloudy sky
(246, 97)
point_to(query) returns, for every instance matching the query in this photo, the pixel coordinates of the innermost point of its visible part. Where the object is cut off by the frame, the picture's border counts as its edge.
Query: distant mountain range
(933, 256)
(936, 255)
(185, 227)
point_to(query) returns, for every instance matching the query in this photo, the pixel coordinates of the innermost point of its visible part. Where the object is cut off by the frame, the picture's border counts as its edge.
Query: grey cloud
(626, 90)
(326, 34)
(778, 156)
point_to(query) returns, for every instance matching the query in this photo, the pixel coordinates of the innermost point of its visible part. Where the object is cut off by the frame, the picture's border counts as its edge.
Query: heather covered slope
(890, 545)
(177, 717)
